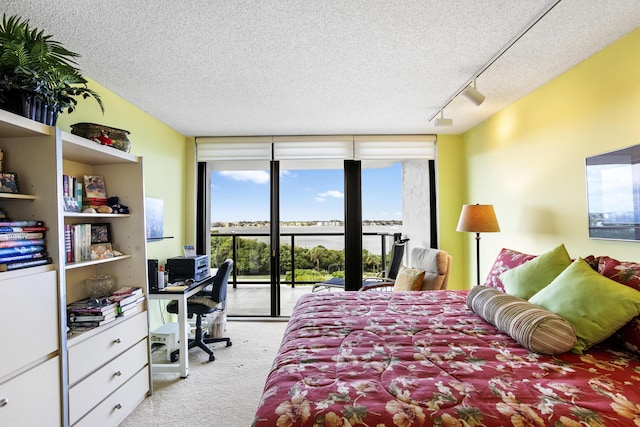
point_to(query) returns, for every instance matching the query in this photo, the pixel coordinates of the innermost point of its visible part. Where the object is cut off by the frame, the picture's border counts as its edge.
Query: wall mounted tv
(613, 194)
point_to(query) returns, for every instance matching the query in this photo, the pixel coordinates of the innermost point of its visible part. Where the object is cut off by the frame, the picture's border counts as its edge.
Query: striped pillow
(531, 326)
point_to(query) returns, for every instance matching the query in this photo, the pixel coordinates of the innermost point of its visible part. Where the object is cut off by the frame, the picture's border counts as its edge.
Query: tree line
(252, 258)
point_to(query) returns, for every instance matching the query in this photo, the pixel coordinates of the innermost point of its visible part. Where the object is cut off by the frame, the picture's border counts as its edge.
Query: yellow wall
(451, 179)
(528, 160)
(168, 165)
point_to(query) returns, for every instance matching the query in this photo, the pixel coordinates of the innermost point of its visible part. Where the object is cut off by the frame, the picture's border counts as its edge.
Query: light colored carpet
(222, 393)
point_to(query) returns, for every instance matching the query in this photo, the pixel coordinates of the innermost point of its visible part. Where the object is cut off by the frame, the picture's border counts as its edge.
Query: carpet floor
(222, 393)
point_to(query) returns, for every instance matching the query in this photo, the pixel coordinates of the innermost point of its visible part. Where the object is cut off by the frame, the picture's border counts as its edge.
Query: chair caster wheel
(174, 356)
(229, 343)
(212, 358)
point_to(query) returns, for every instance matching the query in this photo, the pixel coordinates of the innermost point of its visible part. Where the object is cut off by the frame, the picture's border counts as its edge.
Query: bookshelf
(73, 374)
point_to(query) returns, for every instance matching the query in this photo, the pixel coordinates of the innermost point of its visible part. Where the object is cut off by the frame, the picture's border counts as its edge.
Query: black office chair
(206, 302)
(387, 276)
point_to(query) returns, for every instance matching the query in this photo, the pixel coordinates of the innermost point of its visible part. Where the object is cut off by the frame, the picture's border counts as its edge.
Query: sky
(305, 195)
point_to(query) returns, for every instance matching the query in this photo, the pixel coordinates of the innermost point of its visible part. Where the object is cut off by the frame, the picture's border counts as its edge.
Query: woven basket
(92, 131)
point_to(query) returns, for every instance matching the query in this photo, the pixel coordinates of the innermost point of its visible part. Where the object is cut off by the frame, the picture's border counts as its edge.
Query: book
(127, 290)
(126, 295)
(67, 243)
(137, 308)
(20, 229)
(22, 242)
(9, 266)
(132, 304)
(22, 250)
(20, 236)
(75, 317)
(90, 324)
(92, 306)
(22, 257)
(26, 223)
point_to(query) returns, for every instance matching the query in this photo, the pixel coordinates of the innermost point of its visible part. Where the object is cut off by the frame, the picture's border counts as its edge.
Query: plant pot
(26, 104)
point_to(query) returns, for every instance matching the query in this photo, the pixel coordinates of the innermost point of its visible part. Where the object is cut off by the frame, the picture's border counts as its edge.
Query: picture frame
(9, 182)
(100, 233)
(154, 218)
(101, 251)
(94, 187)
(613, 186)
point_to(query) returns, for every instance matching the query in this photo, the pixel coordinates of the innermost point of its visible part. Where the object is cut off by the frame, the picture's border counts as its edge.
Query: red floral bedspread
(425, 359)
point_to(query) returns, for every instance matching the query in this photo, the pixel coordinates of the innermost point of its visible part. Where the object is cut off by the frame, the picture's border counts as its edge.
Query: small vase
(99, 286)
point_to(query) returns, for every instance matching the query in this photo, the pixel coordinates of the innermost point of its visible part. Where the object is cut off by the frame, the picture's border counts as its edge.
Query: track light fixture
(473, 94)
(442, 122)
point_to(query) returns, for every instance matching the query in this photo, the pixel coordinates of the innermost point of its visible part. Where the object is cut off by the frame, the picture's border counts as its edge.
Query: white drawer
(32, 305)
(90, 391)
(120, 404)
(29, 405)
(90, 354)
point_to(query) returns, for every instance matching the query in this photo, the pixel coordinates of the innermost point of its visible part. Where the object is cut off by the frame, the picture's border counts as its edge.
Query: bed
(426, 359)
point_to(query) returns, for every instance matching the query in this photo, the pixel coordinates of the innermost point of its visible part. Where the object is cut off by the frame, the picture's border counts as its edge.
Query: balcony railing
(263, 277)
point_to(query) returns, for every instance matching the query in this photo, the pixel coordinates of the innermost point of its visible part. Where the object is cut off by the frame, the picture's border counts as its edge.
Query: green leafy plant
(35, 66)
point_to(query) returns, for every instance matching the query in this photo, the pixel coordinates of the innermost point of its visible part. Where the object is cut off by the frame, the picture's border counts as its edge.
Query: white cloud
(331, 193)
(259, 177)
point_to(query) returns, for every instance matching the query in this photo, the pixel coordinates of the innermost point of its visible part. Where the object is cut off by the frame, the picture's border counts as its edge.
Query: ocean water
(371, 243)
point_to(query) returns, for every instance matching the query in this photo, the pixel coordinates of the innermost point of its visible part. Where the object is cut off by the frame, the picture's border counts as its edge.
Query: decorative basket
(94, 131)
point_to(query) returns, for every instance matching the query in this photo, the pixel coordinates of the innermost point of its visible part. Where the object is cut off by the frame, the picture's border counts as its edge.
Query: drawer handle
(117, 341)
(118, 406)
(4, 402)
(118, 373)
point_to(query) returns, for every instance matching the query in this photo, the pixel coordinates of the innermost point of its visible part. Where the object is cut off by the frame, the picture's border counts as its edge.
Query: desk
(179, 294)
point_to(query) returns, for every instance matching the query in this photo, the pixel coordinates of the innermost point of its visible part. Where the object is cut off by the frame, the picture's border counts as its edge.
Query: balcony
(316, 256)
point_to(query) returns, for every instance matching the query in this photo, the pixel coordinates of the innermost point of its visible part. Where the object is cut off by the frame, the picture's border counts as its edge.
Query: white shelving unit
(93, 378)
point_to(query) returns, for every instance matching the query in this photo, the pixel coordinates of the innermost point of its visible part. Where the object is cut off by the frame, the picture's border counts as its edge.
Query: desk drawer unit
(115, 408)
(90, 391)
(91, 354)
(24, 404)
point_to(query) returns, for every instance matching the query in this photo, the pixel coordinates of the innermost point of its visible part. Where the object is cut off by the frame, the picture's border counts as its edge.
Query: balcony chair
(210, 300)
(386, 276)
(436, 265)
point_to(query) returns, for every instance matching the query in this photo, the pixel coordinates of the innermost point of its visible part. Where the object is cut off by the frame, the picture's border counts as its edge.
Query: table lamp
(478, 219)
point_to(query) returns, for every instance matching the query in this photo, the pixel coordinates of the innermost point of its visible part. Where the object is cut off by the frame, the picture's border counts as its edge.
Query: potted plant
(39, 77)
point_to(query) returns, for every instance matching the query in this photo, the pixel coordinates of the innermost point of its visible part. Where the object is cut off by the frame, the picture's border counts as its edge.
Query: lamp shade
(478, 219)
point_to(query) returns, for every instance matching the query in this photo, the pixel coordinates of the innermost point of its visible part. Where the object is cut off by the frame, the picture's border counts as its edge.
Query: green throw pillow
(595, 305)
(525, 280)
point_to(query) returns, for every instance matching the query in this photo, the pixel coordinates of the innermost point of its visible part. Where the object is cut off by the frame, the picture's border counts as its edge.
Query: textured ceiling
(301, 67)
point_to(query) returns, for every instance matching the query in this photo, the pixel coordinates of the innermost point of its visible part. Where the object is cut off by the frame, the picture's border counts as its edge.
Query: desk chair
(388, 276)
(206, 302)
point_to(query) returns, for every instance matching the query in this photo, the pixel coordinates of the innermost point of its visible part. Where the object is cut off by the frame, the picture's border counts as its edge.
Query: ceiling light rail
(471, 92)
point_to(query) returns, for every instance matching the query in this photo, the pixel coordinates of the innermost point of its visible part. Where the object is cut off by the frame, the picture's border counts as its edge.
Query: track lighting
(472, 94)
(441, 121)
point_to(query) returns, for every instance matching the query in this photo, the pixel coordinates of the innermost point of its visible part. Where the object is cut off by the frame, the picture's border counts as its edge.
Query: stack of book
(91, 313)
(22, 244)
(130, 300)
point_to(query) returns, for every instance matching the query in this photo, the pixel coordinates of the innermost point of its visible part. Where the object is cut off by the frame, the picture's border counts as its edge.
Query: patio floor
(254, 300)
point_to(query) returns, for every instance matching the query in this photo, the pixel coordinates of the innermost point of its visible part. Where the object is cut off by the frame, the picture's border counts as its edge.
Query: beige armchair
(435, 263)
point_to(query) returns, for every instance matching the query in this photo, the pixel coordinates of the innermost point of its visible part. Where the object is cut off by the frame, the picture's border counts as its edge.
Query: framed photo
(101, 251)
(94, 187)
(8, 182)
(100, 233)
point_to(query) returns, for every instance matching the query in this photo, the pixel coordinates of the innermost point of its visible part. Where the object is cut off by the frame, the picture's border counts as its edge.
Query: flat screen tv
(613, 194)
